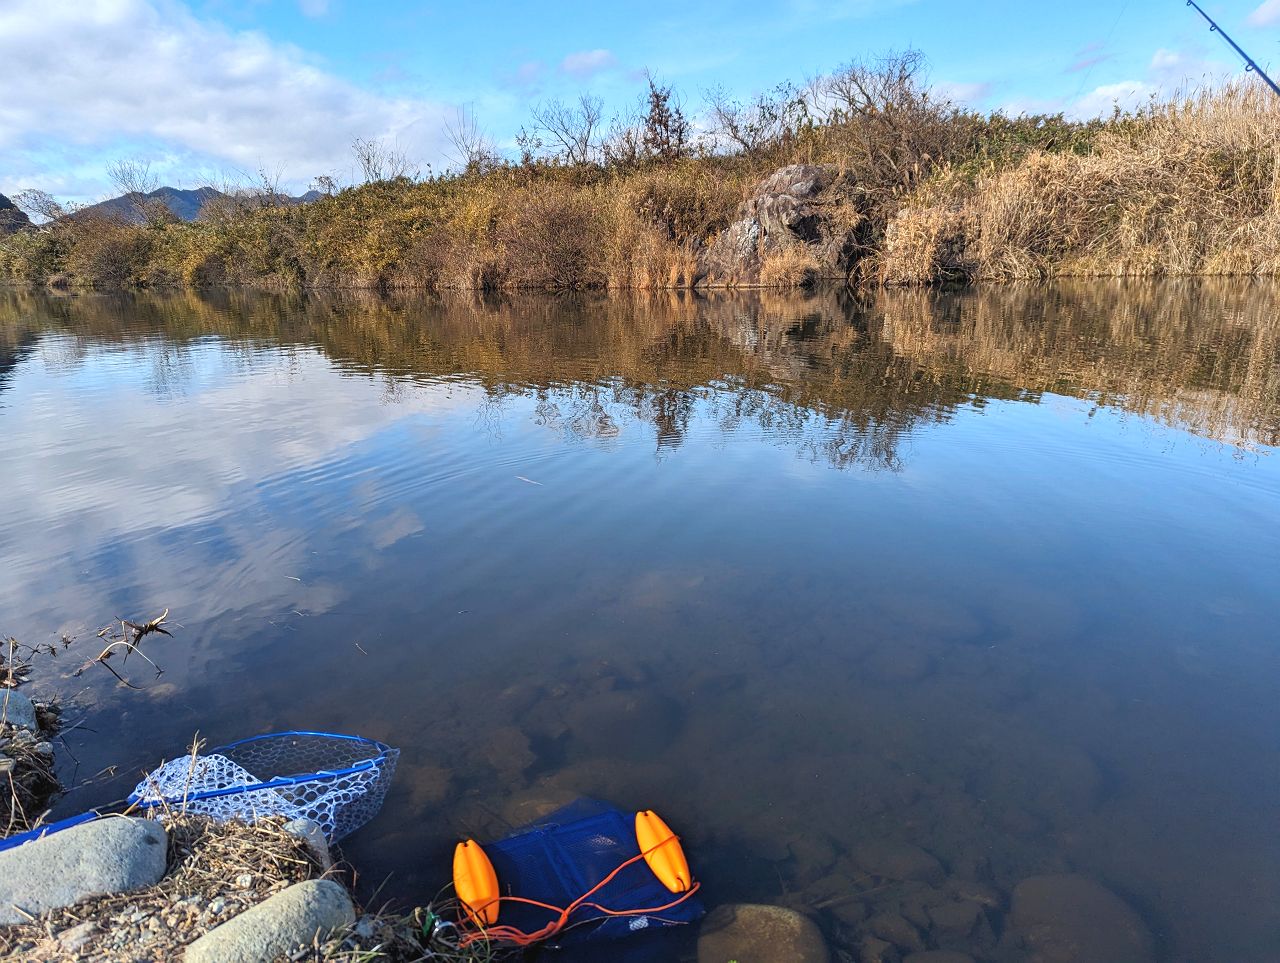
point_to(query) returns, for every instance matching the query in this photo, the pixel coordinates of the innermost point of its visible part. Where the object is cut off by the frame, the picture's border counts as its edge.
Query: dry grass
(1189, 187)
(792, 267)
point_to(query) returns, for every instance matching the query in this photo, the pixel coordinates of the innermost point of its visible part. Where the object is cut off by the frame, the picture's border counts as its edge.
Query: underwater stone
(1064, 918)
(112, 855)
(278, 926)
(749, 933)
(900, 861)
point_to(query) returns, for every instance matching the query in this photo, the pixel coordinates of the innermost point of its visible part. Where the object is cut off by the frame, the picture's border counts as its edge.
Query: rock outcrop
(792, 230)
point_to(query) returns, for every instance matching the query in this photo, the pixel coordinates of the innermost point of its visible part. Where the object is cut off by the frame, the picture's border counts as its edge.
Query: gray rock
(17, 710)
(317, 844)
(955, 919)
(875, 950)
(112, 855)
(74, 939)
(900, 861)
(1065, 918)
(786, 212)
(897, 930)
(630, 724)
(938, 956)
(292, 918)
(749, 933)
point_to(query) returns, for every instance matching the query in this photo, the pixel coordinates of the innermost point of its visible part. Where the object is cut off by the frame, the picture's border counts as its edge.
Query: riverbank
(893, 185)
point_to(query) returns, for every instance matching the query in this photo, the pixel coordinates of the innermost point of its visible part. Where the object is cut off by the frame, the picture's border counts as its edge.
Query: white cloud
(1172, 69)
(584, 63)
(94, 76)
(961, 93)
(314, 8)
(1267, 14)
(1127, 95)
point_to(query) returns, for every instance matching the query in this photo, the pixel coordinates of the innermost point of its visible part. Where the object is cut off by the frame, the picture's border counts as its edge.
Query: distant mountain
(185, 205)
(12, 219)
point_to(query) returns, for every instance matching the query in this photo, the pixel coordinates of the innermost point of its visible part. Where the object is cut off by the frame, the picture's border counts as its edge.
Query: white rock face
(278, 926)
(111, 855)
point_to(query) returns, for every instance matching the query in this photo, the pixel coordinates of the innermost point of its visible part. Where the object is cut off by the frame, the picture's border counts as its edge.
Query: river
(990, 573)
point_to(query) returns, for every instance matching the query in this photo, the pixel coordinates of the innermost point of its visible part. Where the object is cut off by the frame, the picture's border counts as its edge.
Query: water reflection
(988, 573)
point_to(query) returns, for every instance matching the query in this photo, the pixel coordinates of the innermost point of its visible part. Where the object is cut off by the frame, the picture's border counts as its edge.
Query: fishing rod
(1249, 62)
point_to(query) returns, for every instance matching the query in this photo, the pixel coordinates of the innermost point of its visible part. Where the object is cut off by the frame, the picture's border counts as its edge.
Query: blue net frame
(337, 781)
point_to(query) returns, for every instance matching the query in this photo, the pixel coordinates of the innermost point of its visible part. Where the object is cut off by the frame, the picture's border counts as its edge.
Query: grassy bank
(927, 191)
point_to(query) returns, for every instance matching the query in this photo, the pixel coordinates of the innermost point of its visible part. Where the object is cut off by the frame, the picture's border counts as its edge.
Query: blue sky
(213, 90)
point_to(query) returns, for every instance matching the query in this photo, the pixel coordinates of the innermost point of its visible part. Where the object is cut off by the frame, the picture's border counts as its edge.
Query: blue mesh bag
(563, 855)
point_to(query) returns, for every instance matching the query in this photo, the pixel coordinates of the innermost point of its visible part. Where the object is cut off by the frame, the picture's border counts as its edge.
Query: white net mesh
(339, 782)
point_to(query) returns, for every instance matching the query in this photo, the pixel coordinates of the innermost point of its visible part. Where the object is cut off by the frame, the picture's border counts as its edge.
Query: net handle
(280, 781)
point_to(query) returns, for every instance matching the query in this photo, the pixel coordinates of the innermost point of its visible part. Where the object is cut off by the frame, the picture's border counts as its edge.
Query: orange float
(476, 883)
(662, 851)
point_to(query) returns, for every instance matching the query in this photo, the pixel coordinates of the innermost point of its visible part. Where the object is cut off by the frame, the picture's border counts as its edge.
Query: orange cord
(509, 934)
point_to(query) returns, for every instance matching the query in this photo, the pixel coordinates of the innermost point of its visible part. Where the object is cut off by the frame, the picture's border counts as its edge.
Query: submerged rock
(1067, 918)
(630, 724)
(750, 933)
(278, 926)
(900, 861)
(897, 930)
(112, 855)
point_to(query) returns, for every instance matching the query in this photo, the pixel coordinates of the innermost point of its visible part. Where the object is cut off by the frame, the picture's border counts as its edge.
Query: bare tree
(623, 146)
(132, 176)
(134, 179)
(573, 128)
(767, 119)
(886, 87)
(382, 162)
(325, 184)
(887, 119)
(666, 131)
(40, 205)
(472, 150)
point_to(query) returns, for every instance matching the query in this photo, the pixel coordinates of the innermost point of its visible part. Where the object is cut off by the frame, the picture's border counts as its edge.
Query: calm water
(994, 574)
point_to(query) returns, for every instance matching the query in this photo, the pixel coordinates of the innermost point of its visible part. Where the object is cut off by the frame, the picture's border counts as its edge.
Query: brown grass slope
(935, 193)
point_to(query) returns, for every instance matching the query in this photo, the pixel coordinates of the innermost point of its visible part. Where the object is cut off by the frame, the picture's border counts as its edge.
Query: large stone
(291, 919)
(1066, 918)
(112, 855)
(896, 929)
(749, 933)
(786, 213)
(899, 861)
(17, 710)
(938, 956)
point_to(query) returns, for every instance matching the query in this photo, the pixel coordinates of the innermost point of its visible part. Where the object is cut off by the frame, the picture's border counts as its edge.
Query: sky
(212, 91)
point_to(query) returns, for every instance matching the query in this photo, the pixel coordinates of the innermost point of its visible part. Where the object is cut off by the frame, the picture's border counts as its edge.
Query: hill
(186, 205)
(11, 218)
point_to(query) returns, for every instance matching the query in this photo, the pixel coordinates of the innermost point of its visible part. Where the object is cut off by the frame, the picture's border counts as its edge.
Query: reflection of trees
(843, 380)
(1203, 356)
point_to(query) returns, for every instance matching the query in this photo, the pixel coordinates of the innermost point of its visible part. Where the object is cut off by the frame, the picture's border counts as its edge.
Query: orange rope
(509, 934)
